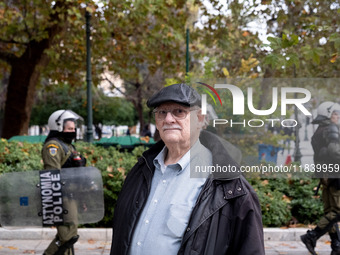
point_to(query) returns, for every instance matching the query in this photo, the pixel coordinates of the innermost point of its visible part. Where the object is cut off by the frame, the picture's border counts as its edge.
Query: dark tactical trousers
(331, 204)
(67, 231)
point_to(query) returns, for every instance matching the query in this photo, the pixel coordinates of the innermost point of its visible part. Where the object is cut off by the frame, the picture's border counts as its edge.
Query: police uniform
(54, 155)
(326, 147)
(325, 150)
(57, 154)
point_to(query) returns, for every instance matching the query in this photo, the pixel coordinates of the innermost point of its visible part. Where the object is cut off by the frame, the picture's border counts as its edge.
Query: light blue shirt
(172, 197)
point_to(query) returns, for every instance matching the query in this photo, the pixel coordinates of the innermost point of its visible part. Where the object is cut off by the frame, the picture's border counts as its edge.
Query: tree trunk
(140, 116)
(139, 106)
(25, 74)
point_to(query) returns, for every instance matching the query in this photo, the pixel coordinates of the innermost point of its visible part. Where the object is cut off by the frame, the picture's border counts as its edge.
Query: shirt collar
(182, 163)
(159, 159)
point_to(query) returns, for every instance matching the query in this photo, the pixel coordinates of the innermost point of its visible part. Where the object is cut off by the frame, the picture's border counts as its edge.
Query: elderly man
(161, 210)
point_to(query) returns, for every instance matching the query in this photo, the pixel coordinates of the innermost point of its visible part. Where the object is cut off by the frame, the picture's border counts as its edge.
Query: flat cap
(178, 93)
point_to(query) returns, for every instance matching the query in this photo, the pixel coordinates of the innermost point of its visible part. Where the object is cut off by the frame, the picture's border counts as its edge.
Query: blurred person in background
(57, 153)
(326, 146)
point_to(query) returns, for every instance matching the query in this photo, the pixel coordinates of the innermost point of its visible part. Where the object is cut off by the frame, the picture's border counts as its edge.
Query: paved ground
(295, 248)
(90, 247)
(86, 247)
(98, 241)
(35, 241)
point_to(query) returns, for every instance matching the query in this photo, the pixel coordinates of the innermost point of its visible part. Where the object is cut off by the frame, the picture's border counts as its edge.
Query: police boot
(67, 245)
(310, 239)
(335, 244)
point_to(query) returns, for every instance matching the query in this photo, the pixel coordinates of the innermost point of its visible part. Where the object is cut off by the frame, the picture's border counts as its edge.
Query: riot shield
(51, 197)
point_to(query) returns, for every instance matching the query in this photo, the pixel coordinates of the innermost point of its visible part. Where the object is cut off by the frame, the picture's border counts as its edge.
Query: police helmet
(57, 119)
(325, 111)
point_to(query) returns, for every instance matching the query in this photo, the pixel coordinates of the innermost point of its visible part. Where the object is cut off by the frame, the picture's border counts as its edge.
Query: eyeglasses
(177, 113)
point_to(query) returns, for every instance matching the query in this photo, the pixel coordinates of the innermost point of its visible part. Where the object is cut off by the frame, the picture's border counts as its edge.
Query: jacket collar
(220, 154)
(152, 153)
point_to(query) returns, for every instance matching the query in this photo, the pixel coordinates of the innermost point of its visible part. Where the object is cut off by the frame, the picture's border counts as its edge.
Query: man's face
(176, 129)
(69, 126)
(335, 117)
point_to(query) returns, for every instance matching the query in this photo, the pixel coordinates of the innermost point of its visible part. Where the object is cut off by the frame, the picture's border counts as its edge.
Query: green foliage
(305, 210)
(285, 44)
(143, 42)
(106, 110)
(18, 156)
(171, 81)
(335, 38)
(139, 42)
(275, 209)
(305, 41)
(225, 42)
(280, 199)
(63, 97)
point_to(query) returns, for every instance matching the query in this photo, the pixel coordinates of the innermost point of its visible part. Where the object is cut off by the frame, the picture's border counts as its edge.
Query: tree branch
(115, 87)
(131, 83)
(8, 57)
(12, 41)
(25, 23)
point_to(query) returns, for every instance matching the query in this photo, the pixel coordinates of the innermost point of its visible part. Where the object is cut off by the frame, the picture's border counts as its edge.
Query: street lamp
(297, 152)
(89, 132)
(306, 132)
(309, 106)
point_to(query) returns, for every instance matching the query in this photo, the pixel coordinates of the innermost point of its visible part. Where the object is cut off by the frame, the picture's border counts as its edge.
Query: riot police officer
(58, 152)
(326, 146)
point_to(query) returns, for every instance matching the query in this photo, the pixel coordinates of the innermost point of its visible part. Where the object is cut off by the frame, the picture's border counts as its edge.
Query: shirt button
(139, 243)
(164, 181)
(188, 229)
(155, 201)
(147, 222)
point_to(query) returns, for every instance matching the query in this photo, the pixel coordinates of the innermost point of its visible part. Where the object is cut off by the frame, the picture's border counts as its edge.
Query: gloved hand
(78, 160)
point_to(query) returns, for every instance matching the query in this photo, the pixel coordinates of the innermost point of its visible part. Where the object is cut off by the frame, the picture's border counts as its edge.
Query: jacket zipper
(146, 162)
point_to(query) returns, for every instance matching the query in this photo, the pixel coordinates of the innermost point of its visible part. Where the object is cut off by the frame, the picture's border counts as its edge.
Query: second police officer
(326, 146)
(58, 152)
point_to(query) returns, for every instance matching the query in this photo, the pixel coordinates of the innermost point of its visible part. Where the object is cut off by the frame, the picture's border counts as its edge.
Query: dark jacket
(320, 143)
(225, 220)
(326, 147)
